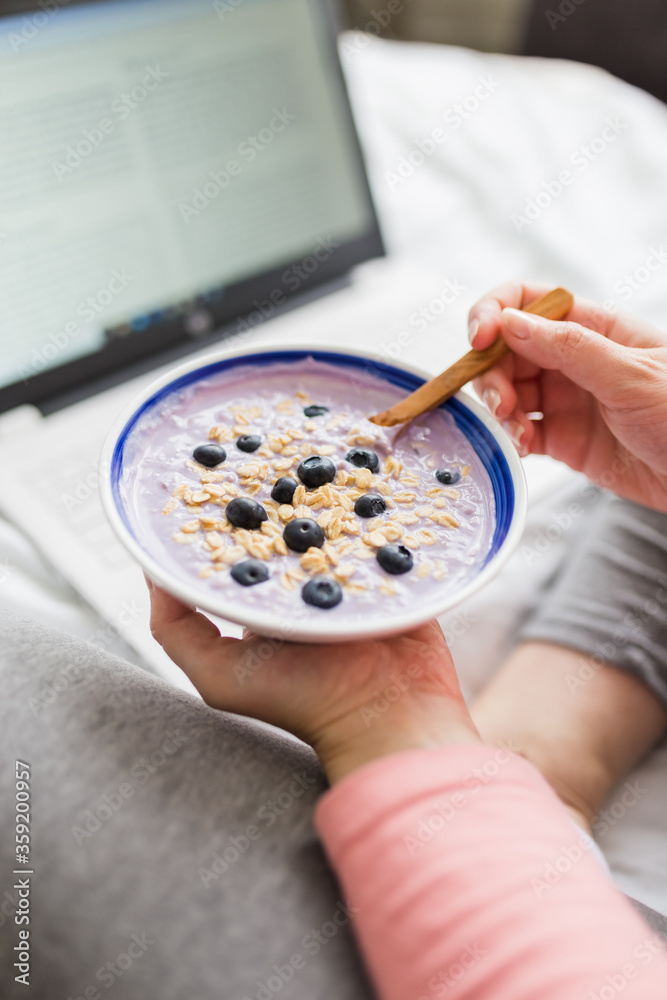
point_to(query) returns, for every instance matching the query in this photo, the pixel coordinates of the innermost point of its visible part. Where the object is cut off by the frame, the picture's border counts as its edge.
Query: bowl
(493, 447)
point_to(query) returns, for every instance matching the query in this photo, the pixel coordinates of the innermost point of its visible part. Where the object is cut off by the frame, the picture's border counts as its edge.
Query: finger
(195, 645)
(521, 430)
(484, 318)
(529, 395)
(496, 390)
(589, 359)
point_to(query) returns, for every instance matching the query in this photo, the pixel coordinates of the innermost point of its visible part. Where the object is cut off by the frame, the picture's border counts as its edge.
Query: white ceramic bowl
(494, 447)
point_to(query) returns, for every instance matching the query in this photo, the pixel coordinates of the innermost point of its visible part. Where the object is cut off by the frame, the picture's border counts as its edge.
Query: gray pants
(172, 846)
(610, 598)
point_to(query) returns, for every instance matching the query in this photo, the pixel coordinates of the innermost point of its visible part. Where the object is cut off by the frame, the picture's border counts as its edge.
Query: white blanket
(467, 154)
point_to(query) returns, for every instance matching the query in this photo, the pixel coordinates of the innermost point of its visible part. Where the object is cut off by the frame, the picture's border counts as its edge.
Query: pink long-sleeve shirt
(467, 879)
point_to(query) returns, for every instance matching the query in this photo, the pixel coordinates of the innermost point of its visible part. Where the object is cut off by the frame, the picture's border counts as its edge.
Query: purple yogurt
(177, 507)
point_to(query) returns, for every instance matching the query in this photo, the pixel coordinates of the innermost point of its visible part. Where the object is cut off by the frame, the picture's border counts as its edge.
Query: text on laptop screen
(155, 153)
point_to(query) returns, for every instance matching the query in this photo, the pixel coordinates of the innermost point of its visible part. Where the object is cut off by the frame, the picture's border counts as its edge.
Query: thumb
(587, 358)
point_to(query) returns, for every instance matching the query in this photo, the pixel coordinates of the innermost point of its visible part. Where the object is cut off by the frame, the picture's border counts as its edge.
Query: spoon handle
(555, 305)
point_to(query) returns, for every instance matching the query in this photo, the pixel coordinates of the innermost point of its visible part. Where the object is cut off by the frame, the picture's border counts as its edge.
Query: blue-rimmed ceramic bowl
(492, 445)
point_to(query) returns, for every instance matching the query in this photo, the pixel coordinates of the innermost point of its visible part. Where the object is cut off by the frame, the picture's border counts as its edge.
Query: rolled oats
(363, 478)
(405, 517)
(392, 532)
(424, 511)
(279, 546)
(392, 467)
(182, 539)
(314, 561)
(440, 571)
(445, 520)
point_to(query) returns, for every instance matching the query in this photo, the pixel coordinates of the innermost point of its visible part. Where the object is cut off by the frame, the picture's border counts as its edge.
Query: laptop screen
(166, 167)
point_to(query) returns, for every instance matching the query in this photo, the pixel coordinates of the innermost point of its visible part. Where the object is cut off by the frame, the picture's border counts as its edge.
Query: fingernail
(492, 400)
(521, 324)
(515, 431)
(473, 327)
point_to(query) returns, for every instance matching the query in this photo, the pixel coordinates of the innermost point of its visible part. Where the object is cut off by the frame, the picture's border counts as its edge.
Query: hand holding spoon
(555, 305)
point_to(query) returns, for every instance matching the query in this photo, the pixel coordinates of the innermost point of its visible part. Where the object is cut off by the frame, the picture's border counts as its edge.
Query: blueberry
(363, 459)
(249, 572)
(396, 559)
(315, 411)
(209, 455)
(245, 513)
(322, 592)
(316, 471)
(283, 491)
(370, 505)
(446, 477)
(248, 442)
(303, 534)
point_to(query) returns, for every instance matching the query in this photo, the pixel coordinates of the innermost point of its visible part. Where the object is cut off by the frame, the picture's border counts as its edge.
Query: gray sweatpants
(172, 846)
(610, 597)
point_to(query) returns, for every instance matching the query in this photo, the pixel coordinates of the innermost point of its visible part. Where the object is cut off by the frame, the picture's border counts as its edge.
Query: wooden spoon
(555, 305)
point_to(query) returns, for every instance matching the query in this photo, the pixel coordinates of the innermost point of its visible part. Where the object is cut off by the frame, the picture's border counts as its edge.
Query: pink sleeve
(467, 879)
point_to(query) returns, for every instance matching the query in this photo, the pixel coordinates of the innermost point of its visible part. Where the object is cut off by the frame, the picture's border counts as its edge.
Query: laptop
(174, 174)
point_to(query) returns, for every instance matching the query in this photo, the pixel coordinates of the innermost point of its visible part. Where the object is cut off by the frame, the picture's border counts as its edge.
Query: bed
(466, 153)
